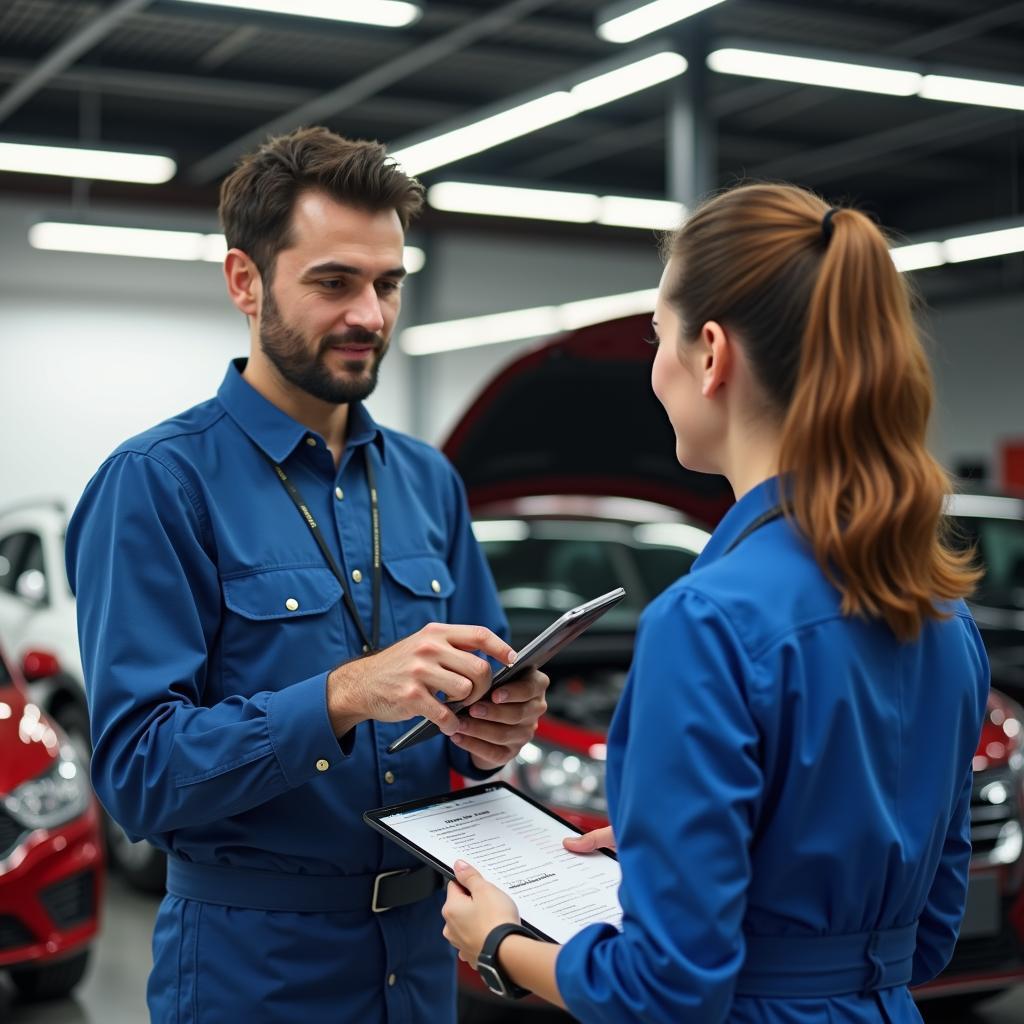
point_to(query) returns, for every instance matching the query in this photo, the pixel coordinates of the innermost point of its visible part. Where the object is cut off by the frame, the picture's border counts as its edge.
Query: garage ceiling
(197, 81)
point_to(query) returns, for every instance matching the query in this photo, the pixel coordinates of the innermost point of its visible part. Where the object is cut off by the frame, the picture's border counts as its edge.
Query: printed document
(519, 848)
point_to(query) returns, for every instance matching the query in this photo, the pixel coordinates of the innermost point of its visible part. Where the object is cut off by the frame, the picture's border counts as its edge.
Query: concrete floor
(114, 988)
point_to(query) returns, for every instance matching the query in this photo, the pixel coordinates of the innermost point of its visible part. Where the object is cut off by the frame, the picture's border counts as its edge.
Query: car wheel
(142, 865)
(52, 981)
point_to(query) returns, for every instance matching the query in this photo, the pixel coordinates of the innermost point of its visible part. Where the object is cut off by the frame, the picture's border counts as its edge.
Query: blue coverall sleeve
(139, 561)
(475, 601)
(939, 923)
(691, 788)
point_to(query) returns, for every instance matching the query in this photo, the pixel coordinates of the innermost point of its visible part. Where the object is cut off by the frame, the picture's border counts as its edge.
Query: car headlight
(60, 794)
(560, 777)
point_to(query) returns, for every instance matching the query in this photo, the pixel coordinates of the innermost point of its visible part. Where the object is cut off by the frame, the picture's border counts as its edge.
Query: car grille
(10, 833)
(13, 933)
(991, 953)
(988, 818)
(72, 901)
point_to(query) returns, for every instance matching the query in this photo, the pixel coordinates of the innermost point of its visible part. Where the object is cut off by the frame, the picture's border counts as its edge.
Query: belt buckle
(376, 888)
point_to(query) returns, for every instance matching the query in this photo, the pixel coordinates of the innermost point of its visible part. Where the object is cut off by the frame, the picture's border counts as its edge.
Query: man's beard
(289, 352)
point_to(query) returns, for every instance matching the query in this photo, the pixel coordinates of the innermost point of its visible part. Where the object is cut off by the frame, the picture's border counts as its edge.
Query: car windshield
(546, 567)
(1000, 546)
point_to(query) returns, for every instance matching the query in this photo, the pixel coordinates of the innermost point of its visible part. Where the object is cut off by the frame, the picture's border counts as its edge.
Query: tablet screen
(517, 845)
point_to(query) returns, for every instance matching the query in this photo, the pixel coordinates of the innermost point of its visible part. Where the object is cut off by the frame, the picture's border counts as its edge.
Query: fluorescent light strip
(643, 74)
(521, 324)
(629, 26)
(547, 204)
(150, 243)
(471, 332)
(812, 71)
(539, 113)
(972, 90)
(102, 164)
(382, 13)
(834, 74)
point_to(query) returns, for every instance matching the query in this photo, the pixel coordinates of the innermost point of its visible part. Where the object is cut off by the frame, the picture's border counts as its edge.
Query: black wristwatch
(490, 970)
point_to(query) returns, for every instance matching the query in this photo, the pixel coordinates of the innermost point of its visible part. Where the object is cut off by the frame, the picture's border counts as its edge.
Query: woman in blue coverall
(789, 768)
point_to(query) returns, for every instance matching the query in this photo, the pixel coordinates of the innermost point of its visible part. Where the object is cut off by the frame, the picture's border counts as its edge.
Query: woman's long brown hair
(826, 322)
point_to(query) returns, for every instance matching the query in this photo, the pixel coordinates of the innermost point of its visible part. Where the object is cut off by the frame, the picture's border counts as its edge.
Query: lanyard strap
(762, 520)
(370, 642)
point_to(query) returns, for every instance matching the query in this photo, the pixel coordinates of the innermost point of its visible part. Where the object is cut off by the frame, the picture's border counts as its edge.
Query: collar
(753, 504)
(273, 430)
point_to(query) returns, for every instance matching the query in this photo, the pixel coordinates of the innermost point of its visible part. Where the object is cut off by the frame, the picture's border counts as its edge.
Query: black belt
(280, 891)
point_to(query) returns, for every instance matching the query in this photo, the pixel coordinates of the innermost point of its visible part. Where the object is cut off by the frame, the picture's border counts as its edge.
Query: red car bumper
(51, 889)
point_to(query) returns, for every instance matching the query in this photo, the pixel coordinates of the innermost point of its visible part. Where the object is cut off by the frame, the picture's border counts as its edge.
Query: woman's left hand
(473, 909)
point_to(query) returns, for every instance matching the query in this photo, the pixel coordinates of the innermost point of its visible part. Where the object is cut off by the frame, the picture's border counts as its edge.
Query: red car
(589, 496)
(51, 854)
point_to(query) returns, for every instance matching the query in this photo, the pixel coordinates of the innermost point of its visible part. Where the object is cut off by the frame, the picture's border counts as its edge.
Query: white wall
(94, 349)
(977, 355)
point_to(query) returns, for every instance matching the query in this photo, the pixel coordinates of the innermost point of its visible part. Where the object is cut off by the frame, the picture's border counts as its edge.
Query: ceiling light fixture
(540, 321)
(150, 243)
(780, 67)
(549, 204)
(843, 74)
(515, 325)
(382, 13)
(626, 22)
(100, 164)
(535, 114)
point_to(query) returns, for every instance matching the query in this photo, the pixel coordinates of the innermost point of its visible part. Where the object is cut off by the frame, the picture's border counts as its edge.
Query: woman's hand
(599, 839)
(473, 909)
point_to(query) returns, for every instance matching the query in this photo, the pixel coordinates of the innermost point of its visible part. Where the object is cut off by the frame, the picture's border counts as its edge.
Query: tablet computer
(516, 843)
(539, 650)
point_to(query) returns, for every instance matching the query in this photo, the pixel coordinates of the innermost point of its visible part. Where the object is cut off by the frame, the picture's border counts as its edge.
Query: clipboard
(535, 654)
(559, 892)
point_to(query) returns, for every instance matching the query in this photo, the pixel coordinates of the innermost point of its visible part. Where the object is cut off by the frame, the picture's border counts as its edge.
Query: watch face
(492, 979)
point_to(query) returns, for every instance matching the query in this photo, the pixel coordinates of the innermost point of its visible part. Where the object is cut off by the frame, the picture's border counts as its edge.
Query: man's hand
(403, 680)
(496, 730)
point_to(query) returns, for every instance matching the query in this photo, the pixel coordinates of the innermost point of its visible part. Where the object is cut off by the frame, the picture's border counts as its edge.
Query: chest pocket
(282, 593)
(421, 591)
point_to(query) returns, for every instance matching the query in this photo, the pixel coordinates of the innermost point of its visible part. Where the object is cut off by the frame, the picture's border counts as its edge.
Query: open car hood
(577, 416)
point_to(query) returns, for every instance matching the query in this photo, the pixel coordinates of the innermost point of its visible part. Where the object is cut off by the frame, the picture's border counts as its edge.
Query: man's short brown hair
(257, 198)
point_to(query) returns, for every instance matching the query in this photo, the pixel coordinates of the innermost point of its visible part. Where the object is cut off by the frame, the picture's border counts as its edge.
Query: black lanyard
(370, 642)
(762, 520)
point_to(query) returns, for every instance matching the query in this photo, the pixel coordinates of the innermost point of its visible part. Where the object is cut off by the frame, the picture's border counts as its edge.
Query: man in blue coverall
(264, 589)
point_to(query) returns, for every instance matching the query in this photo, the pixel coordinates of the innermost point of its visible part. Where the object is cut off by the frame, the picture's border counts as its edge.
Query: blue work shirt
(779, 771)
(209, 621)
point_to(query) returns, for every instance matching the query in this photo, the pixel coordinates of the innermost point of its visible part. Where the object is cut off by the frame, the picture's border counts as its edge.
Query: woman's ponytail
(826, 321)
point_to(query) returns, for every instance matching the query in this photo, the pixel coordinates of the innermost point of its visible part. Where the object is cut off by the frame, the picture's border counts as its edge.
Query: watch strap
(491, 970)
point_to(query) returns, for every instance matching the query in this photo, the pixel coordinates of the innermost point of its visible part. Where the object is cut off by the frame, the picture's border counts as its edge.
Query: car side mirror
(31, 587)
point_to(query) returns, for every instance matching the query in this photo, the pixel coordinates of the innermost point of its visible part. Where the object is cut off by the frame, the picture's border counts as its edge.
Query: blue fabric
(208, 696)
(776, 769)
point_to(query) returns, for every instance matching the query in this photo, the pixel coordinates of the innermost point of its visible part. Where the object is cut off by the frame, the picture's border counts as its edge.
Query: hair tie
(827, 227)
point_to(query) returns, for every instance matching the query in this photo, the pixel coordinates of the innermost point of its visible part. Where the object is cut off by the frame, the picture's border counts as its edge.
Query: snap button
(339, 493)
(435, 586)
(322, 765)
(392, 979)
(291, 604)
(366, 648)
(357, 576)
(311, 441)
(389, 777)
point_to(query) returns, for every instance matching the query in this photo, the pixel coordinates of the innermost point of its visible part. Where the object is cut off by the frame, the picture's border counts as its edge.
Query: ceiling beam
(66, 53)
(330, 104)
(924, 135)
